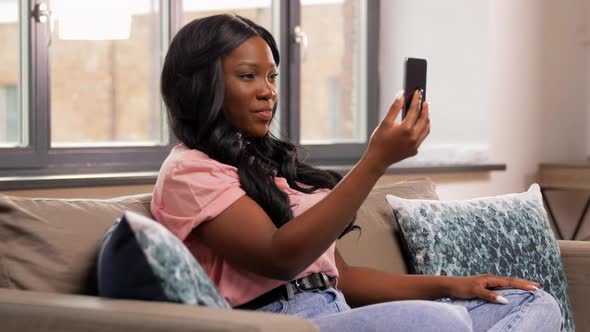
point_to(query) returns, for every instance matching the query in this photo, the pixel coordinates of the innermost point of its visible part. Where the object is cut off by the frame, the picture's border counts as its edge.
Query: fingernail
(534, 287)
(399, 94)
(501, 299)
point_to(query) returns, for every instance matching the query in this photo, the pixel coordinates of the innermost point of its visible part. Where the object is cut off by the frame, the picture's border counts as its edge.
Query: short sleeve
(193, 191)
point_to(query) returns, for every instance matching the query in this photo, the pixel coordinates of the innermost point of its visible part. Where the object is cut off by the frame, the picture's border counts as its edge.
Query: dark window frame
(39, 159)
(338, 153)
(40, 166)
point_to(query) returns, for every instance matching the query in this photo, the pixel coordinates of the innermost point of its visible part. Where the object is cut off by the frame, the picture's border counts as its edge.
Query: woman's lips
(264, 115)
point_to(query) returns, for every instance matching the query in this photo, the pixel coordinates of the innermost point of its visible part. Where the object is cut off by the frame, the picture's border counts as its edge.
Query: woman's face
(250, 77)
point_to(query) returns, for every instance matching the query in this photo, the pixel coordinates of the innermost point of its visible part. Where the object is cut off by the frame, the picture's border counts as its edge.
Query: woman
(263, 224)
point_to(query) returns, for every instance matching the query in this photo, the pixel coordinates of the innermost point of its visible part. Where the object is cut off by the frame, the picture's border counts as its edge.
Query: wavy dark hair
(193, 90)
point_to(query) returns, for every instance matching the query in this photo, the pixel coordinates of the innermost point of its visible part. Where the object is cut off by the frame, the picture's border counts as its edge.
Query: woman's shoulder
(182, 158)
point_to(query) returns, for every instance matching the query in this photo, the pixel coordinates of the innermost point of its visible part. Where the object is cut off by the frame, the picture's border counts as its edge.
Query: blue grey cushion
(140, 259)
(505, 235)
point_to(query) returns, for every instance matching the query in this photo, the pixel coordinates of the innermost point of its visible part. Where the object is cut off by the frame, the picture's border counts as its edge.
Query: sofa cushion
(142, 260)
(506, 235)
(52, 244)
(377, 244)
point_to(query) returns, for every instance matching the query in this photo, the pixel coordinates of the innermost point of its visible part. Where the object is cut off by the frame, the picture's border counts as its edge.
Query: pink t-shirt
(193, 188)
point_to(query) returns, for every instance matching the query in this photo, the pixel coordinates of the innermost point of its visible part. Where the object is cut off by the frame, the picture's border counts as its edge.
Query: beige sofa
(48, 251)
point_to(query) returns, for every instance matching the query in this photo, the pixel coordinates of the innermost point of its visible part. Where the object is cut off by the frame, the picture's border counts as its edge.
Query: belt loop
(327, 283)
(290, 291)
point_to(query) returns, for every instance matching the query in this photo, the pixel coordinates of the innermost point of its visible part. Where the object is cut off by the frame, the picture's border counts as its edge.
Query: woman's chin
(257, 135)
(256, 132)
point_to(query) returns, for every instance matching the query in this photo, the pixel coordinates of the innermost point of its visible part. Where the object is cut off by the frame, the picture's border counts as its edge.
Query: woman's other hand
(392, 142)
(480, 286)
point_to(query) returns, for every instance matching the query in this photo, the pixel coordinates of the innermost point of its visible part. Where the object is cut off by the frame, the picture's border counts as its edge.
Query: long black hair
(193, 90)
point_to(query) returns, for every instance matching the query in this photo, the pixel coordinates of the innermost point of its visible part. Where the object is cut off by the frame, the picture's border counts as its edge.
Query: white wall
(458, 73)
(535, 86)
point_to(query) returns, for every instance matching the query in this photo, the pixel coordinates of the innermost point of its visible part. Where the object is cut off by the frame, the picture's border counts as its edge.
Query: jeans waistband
(314, 281)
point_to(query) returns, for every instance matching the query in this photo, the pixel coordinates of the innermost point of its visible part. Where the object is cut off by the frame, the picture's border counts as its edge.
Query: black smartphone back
(414, 79)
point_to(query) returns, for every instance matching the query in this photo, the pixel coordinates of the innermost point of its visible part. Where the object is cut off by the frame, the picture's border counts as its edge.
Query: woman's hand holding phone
(392, 142)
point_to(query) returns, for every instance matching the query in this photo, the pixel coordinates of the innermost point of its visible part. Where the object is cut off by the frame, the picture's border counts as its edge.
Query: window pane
(332, 67)
(105, 67)
(10, 114)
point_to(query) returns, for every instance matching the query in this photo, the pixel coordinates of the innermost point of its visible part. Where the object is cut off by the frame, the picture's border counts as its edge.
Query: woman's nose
(267, 90)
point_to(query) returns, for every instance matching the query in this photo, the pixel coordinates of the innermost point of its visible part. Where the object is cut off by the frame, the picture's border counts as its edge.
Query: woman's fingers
(505, 282)
(508, 282)
(483, 286)
(423, 126)
(492, 296)
(414, 111)
(391, 141)
(395, 108)
(511, 282)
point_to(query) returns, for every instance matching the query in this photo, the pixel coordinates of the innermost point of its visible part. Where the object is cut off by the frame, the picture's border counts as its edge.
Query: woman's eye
(247, 76)
(274, 76)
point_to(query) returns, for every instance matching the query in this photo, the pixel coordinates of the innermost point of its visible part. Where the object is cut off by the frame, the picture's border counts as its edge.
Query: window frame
(34, 155)
(40, 166)
(335, 154)
(39, 158)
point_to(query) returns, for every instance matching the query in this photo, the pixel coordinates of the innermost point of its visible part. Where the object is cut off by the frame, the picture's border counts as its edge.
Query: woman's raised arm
(244, 234)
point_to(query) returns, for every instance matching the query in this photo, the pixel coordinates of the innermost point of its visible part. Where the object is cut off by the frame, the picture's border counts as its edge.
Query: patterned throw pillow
(505, 235)
(140, 259)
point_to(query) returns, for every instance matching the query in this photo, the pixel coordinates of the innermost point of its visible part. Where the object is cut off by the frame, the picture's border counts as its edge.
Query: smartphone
(414, 79)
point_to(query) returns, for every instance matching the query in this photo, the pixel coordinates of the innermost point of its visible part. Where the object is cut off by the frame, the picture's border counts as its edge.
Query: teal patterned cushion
(505, 235)
(140, 259)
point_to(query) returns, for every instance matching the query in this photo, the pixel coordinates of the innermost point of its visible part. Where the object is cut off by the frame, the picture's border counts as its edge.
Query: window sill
(137, 178)
(77, 180)
(393, 170)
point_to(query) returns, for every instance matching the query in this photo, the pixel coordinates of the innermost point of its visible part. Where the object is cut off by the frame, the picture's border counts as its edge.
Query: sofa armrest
(576, 262)
(37, 311)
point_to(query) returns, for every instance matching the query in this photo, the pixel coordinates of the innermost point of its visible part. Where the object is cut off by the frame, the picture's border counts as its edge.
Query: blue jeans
(525, 311)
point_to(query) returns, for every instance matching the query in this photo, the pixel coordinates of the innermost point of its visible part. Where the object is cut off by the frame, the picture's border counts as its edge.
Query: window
(116, 64)
(9, 115)
(79, 92)
(333, 82)
(79, 81)
(10, 122)
(333, 66)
